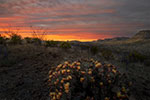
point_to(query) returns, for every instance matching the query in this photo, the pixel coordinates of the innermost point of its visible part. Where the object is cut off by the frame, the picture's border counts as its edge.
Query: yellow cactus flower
(67, 91)
(62, 81)
(78, 67)
(54, 98)
(83, 72)
(73, 64)
(92, 79)
(56, 90)
(59, 66)
(89, 72)
(66, 86)
(108, 75)
(92, 60)
(59, 93)
(109, 81)
(58, 72)
(50, 76)
(78, 63)
(50, 72)
(64, 66)
(63, 71)
(98, 65)
(55, 83)
(101, 83)
(49, 80)
(96, 62)
(108, 65)
(57, 69)
(68, 71)
(119, 94)
(70, 66)
(58, 97)
(66, 62)
(123, 89)
(53, 73)
(106, 98)
(69, 77)
(81, 79)
(114, 71)
(51, 93)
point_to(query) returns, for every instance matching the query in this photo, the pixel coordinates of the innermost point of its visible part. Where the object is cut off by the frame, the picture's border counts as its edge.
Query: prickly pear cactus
(88, 80)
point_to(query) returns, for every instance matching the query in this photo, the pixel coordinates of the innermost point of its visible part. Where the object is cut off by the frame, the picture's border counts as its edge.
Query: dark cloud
(115, 17)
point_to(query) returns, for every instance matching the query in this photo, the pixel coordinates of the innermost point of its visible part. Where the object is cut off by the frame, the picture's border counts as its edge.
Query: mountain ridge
(144, 34)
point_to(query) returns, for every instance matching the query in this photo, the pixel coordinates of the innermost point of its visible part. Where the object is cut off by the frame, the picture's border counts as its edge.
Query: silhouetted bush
(84, 47)
(2, 40)
(65, 45)
(136, 57)
(94, 49)
(51, 43)
(28, 40)
(15, 39)
(37, 41)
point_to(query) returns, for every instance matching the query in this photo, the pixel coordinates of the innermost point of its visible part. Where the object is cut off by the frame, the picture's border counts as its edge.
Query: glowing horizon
(50, 35)
(63, 37)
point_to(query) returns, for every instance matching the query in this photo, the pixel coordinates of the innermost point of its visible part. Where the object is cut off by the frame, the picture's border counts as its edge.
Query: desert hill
(140, 37)
(144, 34)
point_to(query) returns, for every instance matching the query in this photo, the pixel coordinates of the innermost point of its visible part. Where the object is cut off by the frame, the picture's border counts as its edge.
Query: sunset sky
(83, 20)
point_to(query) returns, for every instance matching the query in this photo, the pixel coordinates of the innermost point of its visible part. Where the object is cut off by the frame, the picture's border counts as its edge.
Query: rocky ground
(24, 73)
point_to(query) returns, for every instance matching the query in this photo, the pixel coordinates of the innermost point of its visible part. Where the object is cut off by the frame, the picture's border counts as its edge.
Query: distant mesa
(144, 34)
(113, 39)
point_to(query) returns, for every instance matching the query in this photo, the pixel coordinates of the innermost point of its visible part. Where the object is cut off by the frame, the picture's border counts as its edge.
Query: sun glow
(53, 35)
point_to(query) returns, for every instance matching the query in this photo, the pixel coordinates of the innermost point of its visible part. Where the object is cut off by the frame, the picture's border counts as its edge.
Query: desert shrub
(94, 49)
(2, 40)
(51, 43)
(84, 47)
(37, 41)
(28, 40)
(15, 39)
(65, 45)
(107, 54)
(88, 80)
(136, 57)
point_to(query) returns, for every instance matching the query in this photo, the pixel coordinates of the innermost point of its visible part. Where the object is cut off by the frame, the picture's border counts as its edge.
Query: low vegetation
(28, 40)
(107, 54)
(65, 45)
(15, 39)
(94, 50)
(51, 43)
(135, 56)
(37, 41)
(2, 40)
